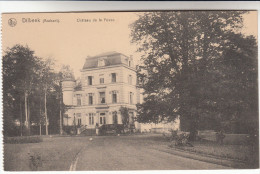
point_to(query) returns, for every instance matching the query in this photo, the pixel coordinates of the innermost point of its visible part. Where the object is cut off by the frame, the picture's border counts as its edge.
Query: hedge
(22, 140)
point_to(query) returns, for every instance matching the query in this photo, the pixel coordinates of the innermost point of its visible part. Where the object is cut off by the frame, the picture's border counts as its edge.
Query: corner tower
(68, 85)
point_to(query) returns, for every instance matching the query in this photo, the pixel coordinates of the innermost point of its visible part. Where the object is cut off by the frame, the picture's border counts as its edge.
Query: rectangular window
(102, 97)
(113, 77)
(102, 118)
(78, 99)
(131, 98)
(130, 79)
(79, 118)
(79, 121)
(90, 99)
(91, 119)
(114, 97)
(101, 80)
(90, 79)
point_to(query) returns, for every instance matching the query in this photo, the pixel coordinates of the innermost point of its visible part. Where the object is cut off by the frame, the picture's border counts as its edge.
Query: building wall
(160, 127)
(121, 85)
(84, 115)
(97, 72)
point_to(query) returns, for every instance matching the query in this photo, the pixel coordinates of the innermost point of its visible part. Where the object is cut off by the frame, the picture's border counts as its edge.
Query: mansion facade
(108, 82)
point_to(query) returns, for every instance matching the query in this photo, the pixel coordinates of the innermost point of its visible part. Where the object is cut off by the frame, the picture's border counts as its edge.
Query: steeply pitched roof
(110, 58)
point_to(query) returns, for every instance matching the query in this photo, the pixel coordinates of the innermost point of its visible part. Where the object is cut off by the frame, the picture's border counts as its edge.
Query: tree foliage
(19, 77)
(194, 65)
(125, 116)
(26, 77)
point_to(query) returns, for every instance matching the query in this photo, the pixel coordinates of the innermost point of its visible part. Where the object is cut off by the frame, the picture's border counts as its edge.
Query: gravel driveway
(133, 153)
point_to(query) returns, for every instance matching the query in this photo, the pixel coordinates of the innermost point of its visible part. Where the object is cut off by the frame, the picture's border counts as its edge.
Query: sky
(70, 37)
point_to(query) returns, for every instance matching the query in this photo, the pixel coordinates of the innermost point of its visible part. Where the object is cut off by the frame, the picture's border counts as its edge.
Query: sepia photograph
(136, 90)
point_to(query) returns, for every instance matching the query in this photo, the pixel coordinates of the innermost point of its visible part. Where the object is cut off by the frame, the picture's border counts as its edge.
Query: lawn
(243, 153)
(54, 153)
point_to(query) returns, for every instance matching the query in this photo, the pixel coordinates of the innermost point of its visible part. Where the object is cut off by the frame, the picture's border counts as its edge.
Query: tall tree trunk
(60, 117)
(40, 129)
(187, 86)
(21, 118)
(193, 128)
(40, 121)
(45, 109)
(29, 122)
(26, 111)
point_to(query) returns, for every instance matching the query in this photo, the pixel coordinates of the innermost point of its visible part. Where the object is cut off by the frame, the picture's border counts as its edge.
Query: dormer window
(101, 62)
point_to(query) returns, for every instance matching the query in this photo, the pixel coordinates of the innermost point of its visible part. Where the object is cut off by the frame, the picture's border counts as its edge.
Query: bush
(111, 129)
(174, 134)
(21, 140)
(69, 130)
(35, 162)
(180, 139)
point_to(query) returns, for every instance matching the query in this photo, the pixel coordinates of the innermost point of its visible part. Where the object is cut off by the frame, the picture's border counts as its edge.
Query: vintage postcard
(153, 90)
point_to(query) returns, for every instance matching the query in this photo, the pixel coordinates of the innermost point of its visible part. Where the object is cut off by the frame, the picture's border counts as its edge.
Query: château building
(108, 82)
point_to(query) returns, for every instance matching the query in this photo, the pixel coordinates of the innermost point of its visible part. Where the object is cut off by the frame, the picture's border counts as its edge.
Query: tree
(56, 101)
(19, 76)
(180, 50)
(46, 78)
(53, 95)
(125, 116)
(61, 105)
(30, 88)
(238, 71)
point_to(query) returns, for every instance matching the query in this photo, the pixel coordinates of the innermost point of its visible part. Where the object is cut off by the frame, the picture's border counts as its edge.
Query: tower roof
(110, 58)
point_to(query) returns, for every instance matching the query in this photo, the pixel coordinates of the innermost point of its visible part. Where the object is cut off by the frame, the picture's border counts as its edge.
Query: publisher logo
(12, 22)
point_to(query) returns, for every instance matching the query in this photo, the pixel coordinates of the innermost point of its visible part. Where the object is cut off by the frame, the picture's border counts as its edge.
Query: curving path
(132, 153)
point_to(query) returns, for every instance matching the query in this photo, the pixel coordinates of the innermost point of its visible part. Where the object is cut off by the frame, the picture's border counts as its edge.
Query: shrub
(35, 161)
(180, 139)
(111, 128)
(174, 134)
(21, 140)
(69, 130)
